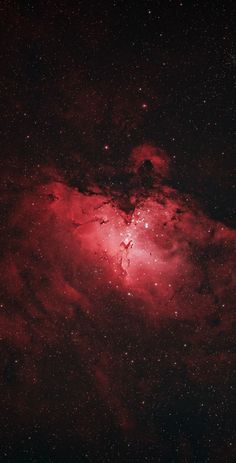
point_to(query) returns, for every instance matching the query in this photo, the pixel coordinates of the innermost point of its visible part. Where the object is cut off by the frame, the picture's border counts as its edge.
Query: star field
(117, 290)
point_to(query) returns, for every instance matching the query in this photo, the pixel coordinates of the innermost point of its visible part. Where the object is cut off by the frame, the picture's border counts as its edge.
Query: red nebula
(80, 271)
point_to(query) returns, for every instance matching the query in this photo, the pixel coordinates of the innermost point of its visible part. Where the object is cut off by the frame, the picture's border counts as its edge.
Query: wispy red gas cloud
(86, 270)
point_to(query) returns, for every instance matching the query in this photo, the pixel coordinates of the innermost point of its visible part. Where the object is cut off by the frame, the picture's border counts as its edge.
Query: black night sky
(117, 293)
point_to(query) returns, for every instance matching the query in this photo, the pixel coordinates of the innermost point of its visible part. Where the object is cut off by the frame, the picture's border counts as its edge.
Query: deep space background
(117, 217)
